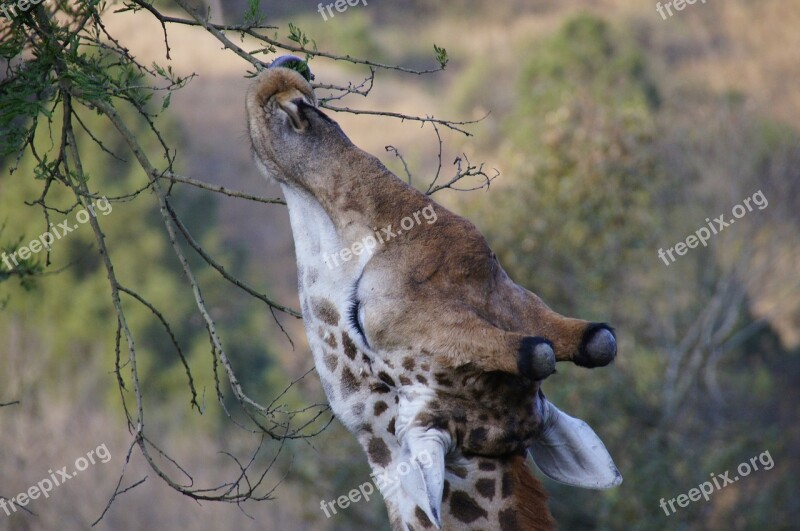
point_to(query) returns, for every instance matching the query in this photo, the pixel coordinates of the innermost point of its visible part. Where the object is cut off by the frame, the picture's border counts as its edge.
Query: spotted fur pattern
(423, 340)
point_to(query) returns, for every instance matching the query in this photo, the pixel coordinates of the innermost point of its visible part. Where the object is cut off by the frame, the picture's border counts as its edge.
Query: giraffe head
(289, 134)
(424, 346)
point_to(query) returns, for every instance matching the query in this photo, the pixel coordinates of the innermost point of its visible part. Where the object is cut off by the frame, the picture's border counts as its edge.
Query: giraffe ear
(292, 107)
(570, 452)
(423, 485)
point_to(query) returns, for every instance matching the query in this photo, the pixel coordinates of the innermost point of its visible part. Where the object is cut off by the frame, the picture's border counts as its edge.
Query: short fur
(424, 335)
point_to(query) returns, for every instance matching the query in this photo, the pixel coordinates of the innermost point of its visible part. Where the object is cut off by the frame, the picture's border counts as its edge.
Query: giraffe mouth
(292, 62)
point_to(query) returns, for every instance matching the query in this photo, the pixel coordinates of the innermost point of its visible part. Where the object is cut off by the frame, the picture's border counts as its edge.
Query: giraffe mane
(531, 498)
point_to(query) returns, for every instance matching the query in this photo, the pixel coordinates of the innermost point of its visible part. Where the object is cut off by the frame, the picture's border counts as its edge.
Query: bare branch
(216, 188)
(392, 149)
(461, 173)
(450, 124)
(172, 338)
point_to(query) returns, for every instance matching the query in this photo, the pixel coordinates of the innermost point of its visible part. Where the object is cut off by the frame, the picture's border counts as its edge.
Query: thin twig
(215, 188)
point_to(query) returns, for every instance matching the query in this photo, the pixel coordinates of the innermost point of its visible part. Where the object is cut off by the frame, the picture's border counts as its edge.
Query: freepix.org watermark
(9, 9)
(56, 232)
(679, 5)
(706, 489)
(340, 5)
(384, 480)
(369, 243)
(703, 234)
(57, 478)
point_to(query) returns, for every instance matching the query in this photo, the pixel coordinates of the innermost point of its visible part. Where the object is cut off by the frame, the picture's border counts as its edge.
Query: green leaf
(441, 56)
(253, 16)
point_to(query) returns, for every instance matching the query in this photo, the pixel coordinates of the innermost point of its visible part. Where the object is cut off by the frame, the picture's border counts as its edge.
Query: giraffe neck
(500, 494)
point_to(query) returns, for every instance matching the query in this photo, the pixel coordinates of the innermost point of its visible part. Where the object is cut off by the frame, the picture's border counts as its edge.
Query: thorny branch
(105, 80)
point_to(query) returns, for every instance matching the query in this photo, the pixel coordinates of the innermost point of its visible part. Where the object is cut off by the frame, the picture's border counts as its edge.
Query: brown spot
(365, 428)
(508, 484)
(379, 388)
(331, 362)
(325, 310)
(425, 367)
(350, 383)
(486, 487)
(459, 471)
(438, 422)
(386, 378)
(421, 379)
(378, 451)
(443, 380)
(349, 346)
(477, 437)
(404, 380)
(486, 465)
(483, 417)
(508, 520)
(380, 407)
(424, 419)
(409, 363)
(331, 340)
(464, 508)
(424, 521)
(390, 427)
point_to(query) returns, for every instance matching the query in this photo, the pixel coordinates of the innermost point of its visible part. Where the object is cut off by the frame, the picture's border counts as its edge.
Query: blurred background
(616, 133)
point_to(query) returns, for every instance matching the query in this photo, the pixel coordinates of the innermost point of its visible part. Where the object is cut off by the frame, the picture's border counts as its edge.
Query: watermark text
(720, 481)
(341, 6)
(56, 232)
(679, 5)
(369, 243)
(703, 234)
(57, 478)
(385, 479)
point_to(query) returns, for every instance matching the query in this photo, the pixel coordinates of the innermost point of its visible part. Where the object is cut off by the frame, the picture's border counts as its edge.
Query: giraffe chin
(570, 452)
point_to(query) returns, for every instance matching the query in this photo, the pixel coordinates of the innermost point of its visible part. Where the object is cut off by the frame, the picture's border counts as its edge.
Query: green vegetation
(605, 160)
(591, 191)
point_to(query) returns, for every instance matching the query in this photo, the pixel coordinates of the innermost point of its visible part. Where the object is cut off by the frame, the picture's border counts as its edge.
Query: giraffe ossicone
(424, 346)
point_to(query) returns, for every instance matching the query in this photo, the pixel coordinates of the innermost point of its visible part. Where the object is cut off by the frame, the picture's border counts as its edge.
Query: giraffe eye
(355, 315)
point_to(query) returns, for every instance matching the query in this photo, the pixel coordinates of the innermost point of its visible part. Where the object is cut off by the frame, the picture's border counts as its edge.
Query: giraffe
(423, 345)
